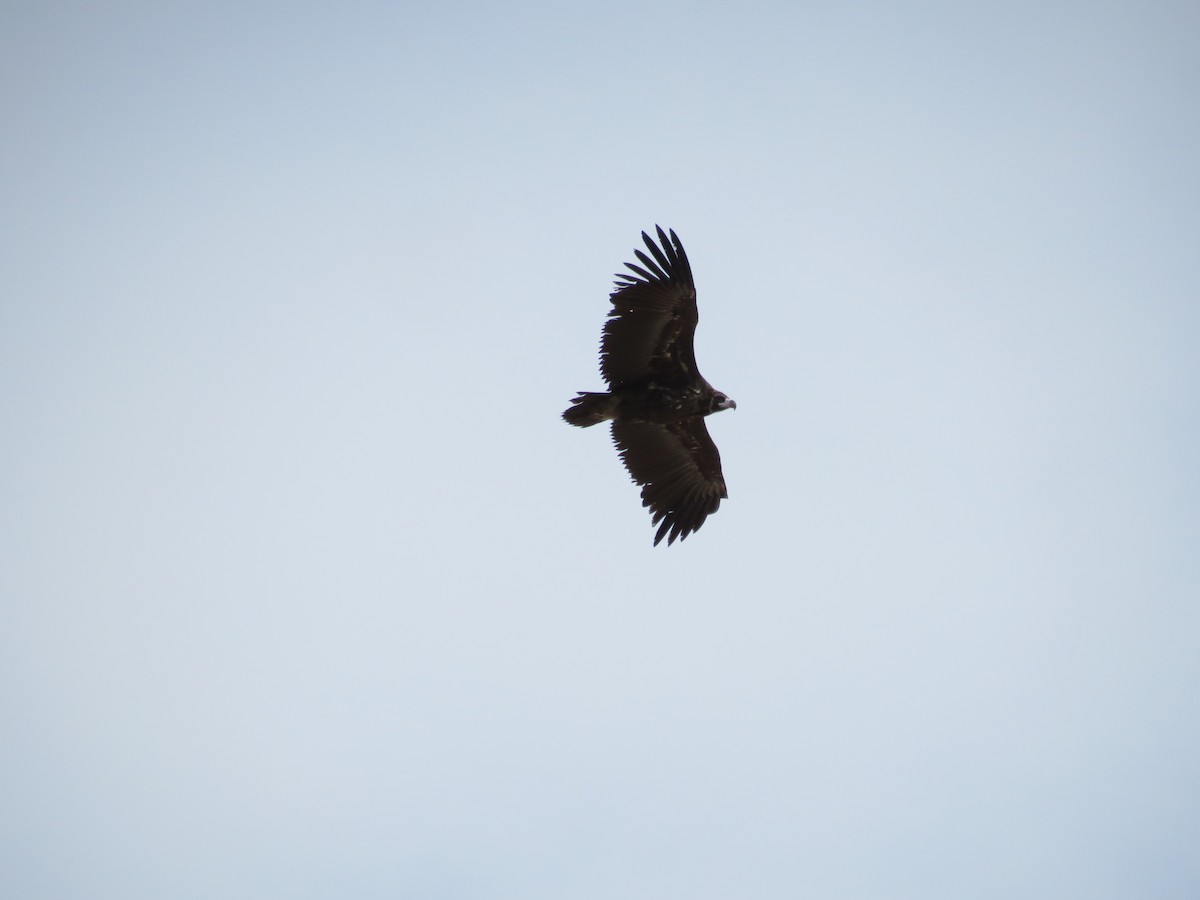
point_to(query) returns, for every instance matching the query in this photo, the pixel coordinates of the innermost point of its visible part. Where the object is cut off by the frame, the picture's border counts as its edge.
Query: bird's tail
(589, 409)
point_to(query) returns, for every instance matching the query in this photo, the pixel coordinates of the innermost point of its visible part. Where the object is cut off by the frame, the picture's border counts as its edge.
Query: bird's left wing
(679, 469)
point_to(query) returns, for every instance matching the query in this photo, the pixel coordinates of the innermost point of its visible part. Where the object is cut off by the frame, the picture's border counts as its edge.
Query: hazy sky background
(307, 592)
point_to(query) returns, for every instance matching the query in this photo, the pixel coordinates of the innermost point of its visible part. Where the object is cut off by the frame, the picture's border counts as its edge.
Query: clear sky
(307, 592)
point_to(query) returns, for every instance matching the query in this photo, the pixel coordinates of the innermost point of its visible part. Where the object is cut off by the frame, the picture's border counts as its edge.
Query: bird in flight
(657, 399)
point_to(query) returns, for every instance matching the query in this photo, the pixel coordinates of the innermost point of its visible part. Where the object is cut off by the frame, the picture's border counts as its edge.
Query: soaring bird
(657, 398)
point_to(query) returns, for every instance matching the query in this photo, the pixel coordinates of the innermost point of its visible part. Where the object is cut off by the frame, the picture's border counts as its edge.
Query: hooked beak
(727, 403)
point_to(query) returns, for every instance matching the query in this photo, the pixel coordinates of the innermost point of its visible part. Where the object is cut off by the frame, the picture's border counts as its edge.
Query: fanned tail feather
(590, 409)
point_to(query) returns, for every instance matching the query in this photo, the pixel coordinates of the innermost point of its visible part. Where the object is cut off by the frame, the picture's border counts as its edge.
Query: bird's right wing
(650, 329)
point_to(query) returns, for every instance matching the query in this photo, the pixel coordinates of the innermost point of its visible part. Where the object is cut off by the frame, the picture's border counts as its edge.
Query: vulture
(657, 399)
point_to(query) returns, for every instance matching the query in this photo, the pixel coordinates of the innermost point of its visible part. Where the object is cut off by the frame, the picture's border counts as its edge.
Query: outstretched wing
(679, 469)
(649, 331)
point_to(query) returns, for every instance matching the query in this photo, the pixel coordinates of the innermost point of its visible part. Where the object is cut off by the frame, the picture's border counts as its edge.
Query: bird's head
(720, 402)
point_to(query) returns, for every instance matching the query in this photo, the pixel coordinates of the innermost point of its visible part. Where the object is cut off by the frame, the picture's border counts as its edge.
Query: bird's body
(649, 402)
(657, 399)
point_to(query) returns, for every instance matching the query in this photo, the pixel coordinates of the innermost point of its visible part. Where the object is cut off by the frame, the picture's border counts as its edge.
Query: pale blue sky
(308, 592)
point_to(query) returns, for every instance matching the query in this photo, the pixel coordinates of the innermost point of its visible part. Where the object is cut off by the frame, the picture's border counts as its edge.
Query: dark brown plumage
(657, 399)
